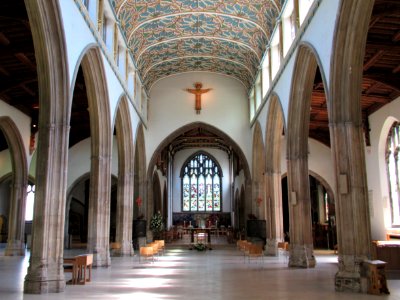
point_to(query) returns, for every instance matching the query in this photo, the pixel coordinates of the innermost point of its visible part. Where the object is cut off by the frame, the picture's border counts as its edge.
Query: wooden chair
(161, 245)
(255, 251)
(146, 252)
(283, 248)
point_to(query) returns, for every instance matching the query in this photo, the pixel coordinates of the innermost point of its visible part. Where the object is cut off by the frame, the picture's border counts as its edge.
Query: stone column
(99, 210)
(301, 241)
(16, 224)
(352, 215)
(274, 213)
(46, 272)
(124, 213)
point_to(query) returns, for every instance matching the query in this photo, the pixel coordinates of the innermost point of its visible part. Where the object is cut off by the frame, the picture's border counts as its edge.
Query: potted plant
(156, 225)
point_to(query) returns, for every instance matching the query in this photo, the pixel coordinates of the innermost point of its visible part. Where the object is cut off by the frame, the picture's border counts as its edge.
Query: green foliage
(156, 223)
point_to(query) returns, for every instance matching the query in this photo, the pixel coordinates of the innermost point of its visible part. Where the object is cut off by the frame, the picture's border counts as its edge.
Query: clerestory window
(201, 184)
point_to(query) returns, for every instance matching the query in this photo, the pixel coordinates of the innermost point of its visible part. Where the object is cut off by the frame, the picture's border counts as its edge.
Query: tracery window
(201, 184)
(393, 167)
(30, 199)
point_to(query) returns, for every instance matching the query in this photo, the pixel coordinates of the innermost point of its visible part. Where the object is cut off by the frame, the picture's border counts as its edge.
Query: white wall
(79, 160)
(380, 123)
(22, 122)
(180, 158)
(224, 107)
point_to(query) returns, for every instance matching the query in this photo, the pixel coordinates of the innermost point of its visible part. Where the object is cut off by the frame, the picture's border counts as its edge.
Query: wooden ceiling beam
(396, 37)
(25, 60)
(373, 59)
(3, 39)
(392, 81)
(4, 71)
(397, 69)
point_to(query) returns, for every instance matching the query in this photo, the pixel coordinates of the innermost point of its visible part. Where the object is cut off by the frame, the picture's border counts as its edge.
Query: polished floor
(221, 273)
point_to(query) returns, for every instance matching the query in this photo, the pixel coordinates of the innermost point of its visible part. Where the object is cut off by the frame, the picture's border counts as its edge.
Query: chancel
(282, 184)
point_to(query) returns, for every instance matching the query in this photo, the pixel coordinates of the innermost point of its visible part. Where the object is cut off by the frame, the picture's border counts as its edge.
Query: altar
(199, 236)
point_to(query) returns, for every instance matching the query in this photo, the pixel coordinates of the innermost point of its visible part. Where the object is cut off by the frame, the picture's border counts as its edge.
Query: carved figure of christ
(198, 91)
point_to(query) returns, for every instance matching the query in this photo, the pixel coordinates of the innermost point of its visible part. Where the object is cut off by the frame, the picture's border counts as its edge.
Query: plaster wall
(22, 122)
(380, 123)
(179, 160)
(79, 160)
(319, 161)
(224, 107)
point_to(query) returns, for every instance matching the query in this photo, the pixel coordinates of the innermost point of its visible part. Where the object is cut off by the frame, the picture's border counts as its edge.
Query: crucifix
(198, 91)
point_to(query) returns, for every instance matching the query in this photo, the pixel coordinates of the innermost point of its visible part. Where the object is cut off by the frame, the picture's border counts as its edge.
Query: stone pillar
(301, 241)
(99, 211)
(274, 215)
(46, 272)
(124, 214)
(16, 224)
(352, 215)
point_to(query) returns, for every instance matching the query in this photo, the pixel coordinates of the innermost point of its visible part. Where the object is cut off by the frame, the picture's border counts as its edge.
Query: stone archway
(19, 182)
(230, 143)
(352, 211)
(45, 272)
(301, 243)
(125, 198)
(273, 141)
(101, 144)
(258, 172)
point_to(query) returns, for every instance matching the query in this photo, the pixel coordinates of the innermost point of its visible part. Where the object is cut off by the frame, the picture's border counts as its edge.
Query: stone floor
(221, 273)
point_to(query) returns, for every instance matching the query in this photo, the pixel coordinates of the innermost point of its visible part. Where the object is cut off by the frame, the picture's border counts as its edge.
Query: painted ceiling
(221, 36)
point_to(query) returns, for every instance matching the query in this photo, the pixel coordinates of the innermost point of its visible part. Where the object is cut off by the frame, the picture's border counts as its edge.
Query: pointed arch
(301, 252)
(125, 195)
(19, 165)
(45, 272)
(234, 148)
(101, 145)
(274, 135)
(352, 210)
(258, 172)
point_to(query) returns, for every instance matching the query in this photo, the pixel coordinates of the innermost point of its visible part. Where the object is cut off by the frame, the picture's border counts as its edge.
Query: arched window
(201, 184)
(393, 168)
(30, 199)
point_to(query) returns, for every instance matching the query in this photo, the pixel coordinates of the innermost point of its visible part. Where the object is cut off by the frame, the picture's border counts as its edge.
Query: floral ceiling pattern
(175, 36)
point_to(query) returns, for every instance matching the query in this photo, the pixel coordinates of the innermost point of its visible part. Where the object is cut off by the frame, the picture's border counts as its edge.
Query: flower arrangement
(156, 224)
(200, 246)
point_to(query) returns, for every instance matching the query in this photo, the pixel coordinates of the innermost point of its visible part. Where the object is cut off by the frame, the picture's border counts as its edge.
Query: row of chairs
(250, 250)
(151, 250)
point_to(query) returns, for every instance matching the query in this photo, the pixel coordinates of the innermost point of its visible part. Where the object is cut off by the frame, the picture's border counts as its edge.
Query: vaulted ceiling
(221, 36)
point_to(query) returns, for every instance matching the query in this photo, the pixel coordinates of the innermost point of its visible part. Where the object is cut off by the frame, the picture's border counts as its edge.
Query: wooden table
(194, 231)
(81, 268)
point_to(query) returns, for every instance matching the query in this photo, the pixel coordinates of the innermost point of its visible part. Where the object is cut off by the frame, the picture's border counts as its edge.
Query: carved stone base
(125, 250)
(349, 278)
(101, 257)
(42, 280)
(271, 248)
(301, 256)
(15, 248)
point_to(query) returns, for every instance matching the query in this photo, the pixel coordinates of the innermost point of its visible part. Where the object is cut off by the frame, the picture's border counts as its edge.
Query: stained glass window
(201, 184)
